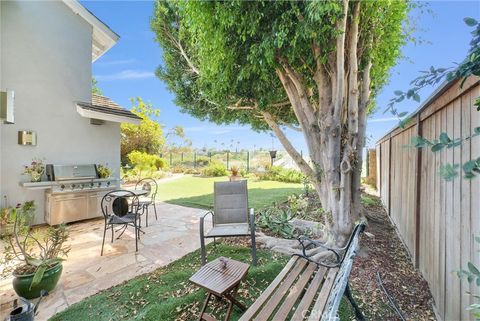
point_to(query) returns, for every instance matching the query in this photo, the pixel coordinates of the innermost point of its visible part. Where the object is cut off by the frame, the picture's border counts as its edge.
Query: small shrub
(178, 169)
(193, 171)
(215, 169)
(142, 161)
(202, 161)
(277, 173)
(369, 201)
(160, 163)
(277, 221)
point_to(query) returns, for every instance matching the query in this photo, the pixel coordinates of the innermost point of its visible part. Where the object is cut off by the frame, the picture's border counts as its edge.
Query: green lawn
(166, 294)
(197, 192)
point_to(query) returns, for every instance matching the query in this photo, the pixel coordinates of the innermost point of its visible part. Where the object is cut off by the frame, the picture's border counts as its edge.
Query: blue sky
(127, 70)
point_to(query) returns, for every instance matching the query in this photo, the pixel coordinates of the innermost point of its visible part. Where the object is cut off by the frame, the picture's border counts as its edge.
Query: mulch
(383, 252)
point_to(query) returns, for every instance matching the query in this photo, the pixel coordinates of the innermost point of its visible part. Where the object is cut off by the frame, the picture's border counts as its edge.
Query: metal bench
(309, 290)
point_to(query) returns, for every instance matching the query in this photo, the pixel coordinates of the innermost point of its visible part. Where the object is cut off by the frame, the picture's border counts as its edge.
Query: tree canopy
(224, 54)
(313, 66)
(147, 137)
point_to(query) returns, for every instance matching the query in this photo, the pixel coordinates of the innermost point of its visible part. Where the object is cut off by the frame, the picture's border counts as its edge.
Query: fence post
(301, 153)
(210, 156)
(181, 155)
(248, 161)
(194, 159)
(228, 157)
(170, 158)
(418, 179)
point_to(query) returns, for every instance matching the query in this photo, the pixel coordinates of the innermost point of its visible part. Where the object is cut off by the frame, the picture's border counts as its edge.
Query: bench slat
(317, 309)
(268, 309)
(294, 293)
(310, 294)
(248, 315)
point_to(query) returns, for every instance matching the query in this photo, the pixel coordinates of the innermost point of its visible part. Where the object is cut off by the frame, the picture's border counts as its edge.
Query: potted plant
(35, 170)
(235, 174)
(35, 257)
(103, 171)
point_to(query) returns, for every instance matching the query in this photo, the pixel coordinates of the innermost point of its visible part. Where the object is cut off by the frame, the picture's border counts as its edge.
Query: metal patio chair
(120, 211)
(230, 216)
(150, 185)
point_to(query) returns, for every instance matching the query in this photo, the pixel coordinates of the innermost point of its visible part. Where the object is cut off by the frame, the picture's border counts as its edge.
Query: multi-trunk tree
(311, 66)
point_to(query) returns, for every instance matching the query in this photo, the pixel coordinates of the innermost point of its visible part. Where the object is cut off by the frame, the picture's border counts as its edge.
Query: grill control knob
(91, 184)
(99, 184)
(62, 187)
(73, 186)
(108, 183)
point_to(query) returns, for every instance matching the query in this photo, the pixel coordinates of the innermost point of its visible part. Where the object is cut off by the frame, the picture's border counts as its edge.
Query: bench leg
(358, 314)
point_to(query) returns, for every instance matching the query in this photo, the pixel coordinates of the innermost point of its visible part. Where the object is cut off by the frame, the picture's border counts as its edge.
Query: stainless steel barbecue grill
(75, 193)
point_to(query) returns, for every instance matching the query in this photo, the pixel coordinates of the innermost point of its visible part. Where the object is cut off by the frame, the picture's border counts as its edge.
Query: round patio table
(137, 192)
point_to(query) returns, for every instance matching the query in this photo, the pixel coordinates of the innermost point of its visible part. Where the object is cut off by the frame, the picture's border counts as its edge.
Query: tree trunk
(333, 125)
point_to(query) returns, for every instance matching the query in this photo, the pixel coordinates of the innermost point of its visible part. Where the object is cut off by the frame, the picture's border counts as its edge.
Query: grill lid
(71, 172)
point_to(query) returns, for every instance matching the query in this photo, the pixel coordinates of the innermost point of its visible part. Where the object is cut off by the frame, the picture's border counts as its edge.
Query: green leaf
(470, 21)
(37, 278)
(444, 138)
(477, 239)
(476, 130)
(403, 114)
(437, 147)
(398, 92)
(416, 97)
(472, 268)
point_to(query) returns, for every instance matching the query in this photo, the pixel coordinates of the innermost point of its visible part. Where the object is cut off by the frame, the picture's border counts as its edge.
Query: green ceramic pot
(21, 283)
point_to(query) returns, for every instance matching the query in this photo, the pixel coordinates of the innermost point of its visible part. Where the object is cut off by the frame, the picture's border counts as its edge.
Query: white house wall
(46, 53)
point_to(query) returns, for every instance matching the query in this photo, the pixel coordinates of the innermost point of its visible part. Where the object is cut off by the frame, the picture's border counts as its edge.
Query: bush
(160, 163)
(215, 169)
(277, 173)
(142, 161)
(203, 161)
(178, 169)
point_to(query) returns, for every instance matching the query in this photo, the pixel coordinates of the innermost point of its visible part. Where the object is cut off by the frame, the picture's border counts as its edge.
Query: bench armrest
(307, 243)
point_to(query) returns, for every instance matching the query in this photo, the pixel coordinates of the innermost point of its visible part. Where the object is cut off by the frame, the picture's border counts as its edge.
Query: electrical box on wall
(6, 106)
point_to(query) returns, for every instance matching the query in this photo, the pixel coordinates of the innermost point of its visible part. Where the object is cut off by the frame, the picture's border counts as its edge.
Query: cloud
(117, 62)
(126, 75)
(382, 120)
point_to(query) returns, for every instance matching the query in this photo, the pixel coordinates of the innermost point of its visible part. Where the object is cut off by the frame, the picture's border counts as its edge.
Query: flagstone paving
(85, 272)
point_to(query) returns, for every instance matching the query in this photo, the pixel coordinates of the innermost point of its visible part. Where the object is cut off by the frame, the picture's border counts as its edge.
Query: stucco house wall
(46, 57)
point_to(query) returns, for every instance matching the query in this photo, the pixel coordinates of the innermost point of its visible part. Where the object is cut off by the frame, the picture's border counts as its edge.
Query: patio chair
(230, 216)
(150, 185)
(120, 211)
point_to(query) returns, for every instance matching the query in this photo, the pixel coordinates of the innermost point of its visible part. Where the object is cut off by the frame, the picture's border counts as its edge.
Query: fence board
(449, 211)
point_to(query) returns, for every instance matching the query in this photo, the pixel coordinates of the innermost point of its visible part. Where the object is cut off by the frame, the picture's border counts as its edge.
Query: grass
(166, 294)
(197, 192)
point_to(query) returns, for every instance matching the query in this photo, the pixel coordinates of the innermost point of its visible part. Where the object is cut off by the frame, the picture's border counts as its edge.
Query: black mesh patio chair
(150, 185)
(120, 209)
(230, 216)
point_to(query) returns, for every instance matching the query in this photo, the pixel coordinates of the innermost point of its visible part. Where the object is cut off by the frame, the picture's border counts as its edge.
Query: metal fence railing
(246, 159)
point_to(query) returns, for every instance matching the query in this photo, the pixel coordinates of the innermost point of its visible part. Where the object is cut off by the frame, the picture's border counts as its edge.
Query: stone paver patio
(85, 272)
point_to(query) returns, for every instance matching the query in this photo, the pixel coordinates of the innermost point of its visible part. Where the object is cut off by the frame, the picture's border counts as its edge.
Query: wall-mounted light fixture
(27, 137)
(6, 106)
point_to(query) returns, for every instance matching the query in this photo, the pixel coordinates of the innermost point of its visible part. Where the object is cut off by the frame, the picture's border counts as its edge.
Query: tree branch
(353, 74)
(296, 156)
(340, 65)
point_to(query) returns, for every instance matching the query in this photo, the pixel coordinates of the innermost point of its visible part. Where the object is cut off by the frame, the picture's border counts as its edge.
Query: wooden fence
(437, 219)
